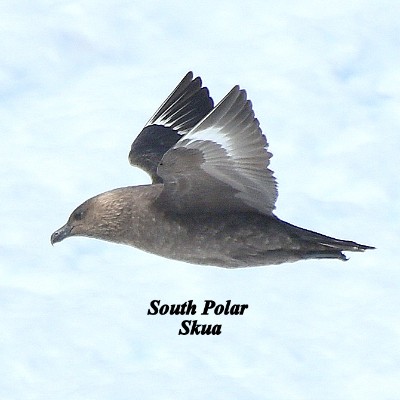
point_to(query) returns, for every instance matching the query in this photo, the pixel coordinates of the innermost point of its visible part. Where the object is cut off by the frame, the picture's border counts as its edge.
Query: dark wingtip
(188, 104)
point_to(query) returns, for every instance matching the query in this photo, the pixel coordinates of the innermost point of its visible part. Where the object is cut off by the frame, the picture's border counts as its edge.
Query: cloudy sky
(78, 80)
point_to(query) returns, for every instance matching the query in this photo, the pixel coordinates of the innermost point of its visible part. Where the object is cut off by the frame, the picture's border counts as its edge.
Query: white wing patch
(234, 151)
(213, 135)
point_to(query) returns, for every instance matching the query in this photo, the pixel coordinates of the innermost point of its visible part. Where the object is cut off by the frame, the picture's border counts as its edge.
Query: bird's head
(99, 217)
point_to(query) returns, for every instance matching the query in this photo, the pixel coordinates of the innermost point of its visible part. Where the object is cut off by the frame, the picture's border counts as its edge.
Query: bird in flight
(212, 195)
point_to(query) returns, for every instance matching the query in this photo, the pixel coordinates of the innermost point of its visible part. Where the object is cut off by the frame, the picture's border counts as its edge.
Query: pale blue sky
(78, 80)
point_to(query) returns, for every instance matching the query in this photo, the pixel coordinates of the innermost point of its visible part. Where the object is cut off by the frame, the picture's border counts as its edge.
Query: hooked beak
(60, 234)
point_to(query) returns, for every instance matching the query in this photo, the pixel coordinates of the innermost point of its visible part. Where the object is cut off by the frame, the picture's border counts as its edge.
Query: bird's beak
(60, 234)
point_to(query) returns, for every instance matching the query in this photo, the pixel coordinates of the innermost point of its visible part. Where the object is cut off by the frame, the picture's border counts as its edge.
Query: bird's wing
(180, 112)
(221, 164)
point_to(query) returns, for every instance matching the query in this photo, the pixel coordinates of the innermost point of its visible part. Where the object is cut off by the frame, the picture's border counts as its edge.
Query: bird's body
(211, 201)
(226, 240)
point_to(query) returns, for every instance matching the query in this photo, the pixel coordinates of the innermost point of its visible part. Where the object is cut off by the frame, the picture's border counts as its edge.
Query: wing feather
(181, 111)
(221, 164)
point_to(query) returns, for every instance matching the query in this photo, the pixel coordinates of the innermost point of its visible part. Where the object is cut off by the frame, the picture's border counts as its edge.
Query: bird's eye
(78, 215)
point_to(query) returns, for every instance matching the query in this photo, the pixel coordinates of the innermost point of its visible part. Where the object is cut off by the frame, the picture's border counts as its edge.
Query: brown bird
(212, 196)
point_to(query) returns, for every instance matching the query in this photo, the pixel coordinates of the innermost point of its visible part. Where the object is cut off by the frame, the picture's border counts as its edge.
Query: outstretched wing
(180, 112)
(221, 164)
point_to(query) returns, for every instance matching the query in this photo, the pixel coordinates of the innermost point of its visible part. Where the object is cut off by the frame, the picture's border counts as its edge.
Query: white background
(78, 80)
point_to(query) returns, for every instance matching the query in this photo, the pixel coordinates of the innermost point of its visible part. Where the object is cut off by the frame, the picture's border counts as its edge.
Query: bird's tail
(329, 242)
